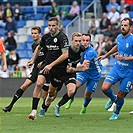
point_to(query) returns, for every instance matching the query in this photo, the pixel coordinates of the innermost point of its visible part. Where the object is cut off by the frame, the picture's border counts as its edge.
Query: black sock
(63, 100)
(35, 103)
(17, 95)
(44, 106)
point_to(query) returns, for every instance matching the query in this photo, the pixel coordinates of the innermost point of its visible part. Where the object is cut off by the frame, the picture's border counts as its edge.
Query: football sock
(72, 98)
(35, 103)
(63, 100)
(87, 101)
(119, 105)
(110, 94)
(17, 95)
(44, 106)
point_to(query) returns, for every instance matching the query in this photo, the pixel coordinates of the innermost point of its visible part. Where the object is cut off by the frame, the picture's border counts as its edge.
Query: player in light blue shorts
(122, 70)
(90, 76)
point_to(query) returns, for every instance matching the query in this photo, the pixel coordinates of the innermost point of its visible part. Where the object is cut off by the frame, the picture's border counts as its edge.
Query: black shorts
(58, 76)
(34, 74)
(46, 87)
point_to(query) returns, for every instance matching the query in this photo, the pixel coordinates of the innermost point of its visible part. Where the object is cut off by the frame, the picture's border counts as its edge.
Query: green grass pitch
(96, 120)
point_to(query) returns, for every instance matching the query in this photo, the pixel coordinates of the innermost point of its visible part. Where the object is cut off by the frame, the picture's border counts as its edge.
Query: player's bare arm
(112, 51)
(37, 51)
(61, 58)
(79, 68)
(4, 61)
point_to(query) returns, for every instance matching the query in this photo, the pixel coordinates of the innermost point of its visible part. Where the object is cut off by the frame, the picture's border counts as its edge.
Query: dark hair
(129, 19)
(36, 28)
(92, 16)
(53, 19)
(87, 35)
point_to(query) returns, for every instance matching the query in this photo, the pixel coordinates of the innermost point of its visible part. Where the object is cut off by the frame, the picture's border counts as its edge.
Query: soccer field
(96, 120)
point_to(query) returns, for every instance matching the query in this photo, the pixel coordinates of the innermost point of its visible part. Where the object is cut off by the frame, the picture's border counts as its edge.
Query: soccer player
(36, 34)
(122, 70)
(75, 52)
(56, 44)
(3, 56)
(91, 76)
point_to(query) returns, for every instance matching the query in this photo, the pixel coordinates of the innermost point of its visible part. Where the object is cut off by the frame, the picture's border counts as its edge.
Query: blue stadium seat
(21, 24)
(46, 23)
(22, 46)
(29, 40)
(38, 16)
(46, 9)
(28, 46)
(39, 9)
(131, 14)
(28, 10)
(22, 54)
(66, 22)
(30, 54)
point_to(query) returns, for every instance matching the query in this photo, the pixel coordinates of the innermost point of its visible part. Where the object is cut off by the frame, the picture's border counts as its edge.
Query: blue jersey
(123, 70)
(125, 48)
(95, 68)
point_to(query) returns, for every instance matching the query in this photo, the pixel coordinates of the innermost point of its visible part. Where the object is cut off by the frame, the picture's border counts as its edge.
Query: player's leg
(18, 94)
(111, 79)
(44, 108)
(91, 86)
(71, 87)
(36, 96)
(125, 85)
(79, 82)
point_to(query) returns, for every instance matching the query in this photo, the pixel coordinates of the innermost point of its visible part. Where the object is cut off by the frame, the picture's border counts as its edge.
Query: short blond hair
(77, 34)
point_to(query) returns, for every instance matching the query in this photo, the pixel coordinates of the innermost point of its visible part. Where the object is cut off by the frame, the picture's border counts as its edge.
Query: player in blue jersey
(90, 76)
(122, 70)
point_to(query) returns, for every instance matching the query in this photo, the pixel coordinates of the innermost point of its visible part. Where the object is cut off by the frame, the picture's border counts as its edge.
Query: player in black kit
(36, 34)
(55, 63)
(75, 52)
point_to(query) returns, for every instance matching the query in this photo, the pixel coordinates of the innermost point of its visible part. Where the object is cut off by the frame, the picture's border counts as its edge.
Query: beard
(124, 33)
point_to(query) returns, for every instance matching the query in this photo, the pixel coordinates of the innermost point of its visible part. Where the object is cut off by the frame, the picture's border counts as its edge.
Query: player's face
(53, 27)
(76, 41)
(85, 41)
(125, 27)
(35, 35)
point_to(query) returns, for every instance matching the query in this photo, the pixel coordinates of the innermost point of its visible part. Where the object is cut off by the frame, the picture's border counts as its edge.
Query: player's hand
(47, 69)
(30, 63)
(101, 57)
(85, 65)
(70, 69)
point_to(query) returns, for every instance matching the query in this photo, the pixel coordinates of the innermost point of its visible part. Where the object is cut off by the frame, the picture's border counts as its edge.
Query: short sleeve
(64, 43)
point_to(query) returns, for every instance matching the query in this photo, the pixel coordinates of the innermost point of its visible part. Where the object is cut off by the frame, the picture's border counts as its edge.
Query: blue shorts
(125, 78)
(90, 83)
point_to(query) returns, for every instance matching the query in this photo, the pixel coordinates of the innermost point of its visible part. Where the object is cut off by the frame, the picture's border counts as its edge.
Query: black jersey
(41, 55)
(74, 57)
(54, 46)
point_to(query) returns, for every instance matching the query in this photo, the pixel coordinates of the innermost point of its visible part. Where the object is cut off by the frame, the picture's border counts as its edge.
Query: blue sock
(72, 98)
(119, 105)
(110, 94)
(87, 101)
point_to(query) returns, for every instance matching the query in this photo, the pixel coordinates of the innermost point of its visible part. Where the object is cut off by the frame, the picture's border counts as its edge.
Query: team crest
(127, 45)
(55, 40)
